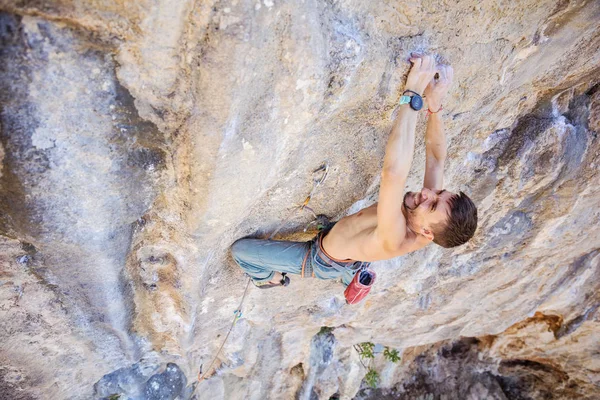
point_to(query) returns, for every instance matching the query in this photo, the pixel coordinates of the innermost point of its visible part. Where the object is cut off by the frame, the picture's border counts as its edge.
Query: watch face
(416, 102)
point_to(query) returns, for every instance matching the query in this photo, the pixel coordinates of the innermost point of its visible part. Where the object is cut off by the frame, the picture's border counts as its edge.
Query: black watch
(415, 101)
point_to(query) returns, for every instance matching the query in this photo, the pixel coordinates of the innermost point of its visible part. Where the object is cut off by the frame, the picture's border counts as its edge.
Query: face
(425, 209)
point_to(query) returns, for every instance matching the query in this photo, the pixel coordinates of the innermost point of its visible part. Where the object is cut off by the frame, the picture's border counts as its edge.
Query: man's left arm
(435, 136)
(435, 152)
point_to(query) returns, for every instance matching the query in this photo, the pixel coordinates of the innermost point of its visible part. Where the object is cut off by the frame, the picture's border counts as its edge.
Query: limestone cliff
(139, 139)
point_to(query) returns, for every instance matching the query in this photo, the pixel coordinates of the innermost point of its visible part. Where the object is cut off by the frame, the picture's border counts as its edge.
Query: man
(400, 223)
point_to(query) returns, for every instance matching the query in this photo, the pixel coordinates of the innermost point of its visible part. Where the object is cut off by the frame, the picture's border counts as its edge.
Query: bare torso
(353, 237)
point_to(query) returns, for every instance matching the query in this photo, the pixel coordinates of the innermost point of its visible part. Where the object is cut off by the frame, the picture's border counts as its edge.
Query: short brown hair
(461, 223)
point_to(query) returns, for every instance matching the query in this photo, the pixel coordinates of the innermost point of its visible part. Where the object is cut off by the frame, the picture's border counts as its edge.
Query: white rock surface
(140, 139)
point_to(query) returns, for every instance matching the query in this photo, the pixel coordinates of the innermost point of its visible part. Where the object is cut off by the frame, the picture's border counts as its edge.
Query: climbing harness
(321, 173)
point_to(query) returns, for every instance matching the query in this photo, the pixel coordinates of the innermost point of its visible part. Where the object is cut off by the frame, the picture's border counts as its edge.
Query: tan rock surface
(140, 139)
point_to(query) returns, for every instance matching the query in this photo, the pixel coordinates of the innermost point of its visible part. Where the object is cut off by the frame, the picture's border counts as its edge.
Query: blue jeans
(262, 258)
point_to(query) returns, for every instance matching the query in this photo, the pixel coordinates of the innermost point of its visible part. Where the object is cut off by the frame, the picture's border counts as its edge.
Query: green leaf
(391, 354)
(372, 378)
(366, 350)
(325, 330)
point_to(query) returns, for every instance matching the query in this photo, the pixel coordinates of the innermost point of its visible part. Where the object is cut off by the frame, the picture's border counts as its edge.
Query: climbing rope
(323, 170)
(237, 314)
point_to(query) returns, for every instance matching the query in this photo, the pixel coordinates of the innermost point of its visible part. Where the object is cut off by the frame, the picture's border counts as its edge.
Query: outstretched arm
(435, 137)
(391, 224)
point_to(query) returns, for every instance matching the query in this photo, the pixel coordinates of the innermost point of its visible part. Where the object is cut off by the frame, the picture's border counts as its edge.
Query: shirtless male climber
(400, 223)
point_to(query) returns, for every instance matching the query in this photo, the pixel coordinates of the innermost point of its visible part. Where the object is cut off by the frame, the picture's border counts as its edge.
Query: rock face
(140, 139)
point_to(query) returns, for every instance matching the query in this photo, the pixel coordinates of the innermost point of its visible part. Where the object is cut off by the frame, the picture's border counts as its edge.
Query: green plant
(391, 354)
(365, 350)
(372, 378)
(115, 396)
(325, 330)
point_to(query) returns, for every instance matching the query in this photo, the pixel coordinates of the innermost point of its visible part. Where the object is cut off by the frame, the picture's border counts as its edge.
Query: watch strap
(405, 100)
(411, 91)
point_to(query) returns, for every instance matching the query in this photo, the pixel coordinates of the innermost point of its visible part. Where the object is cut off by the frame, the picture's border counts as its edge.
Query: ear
(427, 233)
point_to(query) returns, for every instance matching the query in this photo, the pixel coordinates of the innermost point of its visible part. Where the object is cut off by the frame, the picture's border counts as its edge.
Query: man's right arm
(391, 224)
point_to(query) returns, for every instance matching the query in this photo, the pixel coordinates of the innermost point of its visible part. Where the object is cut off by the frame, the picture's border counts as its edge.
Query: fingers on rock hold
(443, 72)
(417, 61)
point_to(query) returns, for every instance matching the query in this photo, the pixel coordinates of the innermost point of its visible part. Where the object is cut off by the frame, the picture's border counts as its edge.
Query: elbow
(390, 243)
(390, 247)
(440, 157)
(436, 160)
(437, 153)
(392, 173)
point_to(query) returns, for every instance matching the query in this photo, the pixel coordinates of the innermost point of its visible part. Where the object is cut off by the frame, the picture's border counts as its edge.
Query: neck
(409, 230)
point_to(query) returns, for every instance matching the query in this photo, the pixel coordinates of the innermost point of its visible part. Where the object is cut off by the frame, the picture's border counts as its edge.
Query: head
(446, 218)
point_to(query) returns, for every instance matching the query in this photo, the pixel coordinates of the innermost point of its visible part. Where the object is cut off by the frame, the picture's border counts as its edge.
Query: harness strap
(333, 262)
(304, 264)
